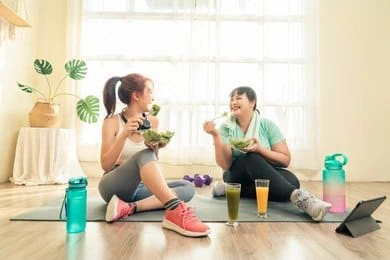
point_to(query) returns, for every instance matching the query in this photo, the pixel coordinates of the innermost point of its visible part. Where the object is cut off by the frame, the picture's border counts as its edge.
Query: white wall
(15, 65)
(354, 82)
(45, 39)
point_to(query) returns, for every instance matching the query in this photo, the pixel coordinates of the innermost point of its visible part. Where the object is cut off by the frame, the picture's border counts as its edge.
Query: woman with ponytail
(132, 181)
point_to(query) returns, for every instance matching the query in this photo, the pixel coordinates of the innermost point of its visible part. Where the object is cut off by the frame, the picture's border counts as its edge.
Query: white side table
(45, 156)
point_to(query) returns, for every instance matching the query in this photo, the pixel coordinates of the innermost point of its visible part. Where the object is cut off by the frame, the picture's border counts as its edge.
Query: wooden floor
(127, 240)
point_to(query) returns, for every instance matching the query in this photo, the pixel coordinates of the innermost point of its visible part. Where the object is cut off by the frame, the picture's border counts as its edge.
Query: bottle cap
(331, 161)
(333, 164)
(78, 182)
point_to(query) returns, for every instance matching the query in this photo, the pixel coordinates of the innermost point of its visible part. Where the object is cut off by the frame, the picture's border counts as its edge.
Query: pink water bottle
(333, 181)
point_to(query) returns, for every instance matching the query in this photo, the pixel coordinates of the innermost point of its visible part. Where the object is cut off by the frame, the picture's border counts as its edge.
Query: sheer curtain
(197, 51)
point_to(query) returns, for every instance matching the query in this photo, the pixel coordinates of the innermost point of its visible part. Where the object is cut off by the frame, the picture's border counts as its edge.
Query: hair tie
(119, 82)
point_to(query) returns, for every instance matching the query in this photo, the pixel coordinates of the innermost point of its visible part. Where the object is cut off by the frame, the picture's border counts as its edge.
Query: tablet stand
(359, 226)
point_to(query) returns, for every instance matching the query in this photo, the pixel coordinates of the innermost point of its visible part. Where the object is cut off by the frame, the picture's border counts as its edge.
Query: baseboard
(93, 169)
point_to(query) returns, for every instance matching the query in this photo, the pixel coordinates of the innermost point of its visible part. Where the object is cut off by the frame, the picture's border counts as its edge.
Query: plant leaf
(77, 69)
(88, 109)
(43, 67)
(25, 88)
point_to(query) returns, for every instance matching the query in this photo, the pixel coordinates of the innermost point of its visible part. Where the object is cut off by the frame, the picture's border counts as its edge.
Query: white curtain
(197, 51)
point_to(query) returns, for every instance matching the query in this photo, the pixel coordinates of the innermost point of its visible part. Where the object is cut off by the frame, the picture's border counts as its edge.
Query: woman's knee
(185, 190)
(251, 159)
(104, 191)
(255, 157)
(290, 177)
(295, 182)
(145, 156)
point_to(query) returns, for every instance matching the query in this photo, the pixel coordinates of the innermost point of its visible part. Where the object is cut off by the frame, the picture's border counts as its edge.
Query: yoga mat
(207, 209)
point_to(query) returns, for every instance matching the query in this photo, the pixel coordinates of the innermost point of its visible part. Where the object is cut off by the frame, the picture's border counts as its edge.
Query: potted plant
(45, 113)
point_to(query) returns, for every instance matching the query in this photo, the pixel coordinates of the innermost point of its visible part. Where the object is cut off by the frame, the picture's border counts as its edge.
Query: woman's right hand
(223, 152)
(132, 124)
(209, 127)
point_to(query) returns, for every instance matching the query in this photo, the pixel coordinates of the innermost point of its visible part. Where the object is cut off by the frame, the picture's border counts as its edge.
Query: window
(197, 51)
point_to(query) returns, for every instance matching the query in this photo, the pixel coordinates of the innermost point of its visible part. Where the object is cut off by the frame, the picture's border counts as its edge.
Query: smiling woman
(191, 50)
(132, 181)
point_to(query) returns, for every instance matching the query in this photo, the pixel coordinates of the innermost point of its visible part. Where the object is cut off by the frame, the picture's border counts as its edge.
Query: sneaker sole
(111, 209)
(322, 213)
(172, 226)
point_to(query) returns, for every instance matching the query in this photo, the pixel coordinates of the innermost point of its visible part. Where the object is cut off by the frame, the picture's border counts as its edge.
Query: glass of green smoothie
(233, 202)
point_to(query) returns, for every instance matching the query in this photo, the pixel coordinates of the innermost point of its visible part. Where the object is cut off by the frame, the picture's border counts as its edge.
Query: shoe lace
(187, 214)
(303, 201)
(302, 204)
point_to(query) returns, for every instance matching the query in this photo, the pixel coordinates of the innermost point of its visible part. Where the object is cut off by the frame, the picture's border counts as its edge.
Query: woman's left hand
(253, 147)
(155, 147)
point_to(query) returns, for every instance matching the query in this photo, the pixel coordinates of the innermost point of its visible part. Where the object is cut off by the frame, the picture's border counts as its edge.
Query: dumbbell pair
(198, 179)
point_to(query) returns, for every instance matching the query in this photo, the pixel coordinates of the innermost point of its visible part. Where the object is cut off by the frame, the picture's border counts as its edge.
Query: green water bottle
(75, 203)
(333, 181)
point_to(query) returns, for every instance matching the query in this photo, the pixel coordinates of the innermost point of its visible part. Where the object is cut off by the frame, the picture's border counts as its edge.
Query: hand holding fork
(224, 114)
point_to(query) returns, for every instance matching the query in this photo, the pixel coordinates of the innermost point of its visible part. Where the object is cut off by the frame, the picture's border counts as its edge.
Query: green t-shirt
(267, 133)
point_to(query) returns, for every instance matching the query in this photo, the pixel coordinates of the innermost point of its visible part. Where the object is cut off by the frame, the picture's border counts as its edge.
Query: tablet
(359, 220)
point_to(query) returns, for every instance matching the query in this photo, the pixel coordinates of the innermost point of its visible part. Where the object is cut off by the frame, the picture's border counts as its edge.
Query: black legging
(251, 166)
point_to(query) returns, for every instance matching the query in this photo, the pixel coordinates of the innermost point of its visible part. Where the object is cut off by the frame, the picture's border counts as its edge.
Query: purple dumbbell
(198, 181)
(188, 178)
(207, 179)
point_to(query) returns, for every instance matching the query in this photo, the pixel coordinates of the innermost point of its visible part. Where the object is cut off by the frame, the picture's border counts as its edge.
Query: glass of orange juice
(262, 190)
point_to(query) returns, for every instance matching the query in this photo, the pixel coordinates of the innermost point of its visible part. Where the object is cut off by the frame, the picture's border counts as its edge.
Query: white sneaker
(218, 189)
(311, 205)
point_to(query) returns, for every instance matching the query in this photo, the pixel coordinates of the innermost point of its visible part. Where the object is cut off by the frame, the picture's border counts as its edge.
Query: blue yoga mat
(207, 209)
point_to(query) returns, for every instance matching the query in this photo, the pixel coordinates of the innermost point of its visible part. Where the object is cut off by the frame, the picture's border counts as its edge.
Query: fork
(224, 114)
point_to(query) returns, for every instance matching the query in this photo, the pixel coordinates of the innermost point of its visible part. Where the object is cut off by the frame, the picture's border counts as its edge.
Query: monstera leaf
(88, 109)
(43, 67)
(77, 69)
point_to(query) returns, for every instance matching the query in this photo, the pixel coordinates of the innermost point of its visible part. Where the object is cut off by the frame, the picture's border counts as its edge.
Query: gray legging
(125, 181)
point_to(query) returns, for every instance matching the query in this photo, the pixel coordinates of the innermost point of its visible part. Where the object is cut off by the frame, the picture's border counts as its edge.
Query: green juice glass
(233, 202)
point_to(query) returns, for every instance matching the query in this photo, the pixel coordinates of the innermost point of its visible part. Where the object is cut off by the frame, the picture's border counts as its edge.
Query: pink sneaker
(183, 221)
(117, 209)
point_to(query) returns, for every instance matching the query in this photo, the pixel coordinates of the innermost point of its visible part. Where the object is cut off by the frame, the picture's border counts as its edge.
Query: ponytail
(109, 95)
(130, 83)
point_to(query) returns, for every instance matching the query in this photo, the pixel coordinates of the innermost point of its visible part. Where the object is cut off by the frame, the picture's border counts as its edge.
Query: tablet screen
(365, 208)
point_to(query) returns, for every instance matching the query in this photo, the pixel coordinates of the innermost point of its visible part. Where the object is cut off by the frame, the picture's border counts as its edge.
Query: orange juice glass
(262, 190)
